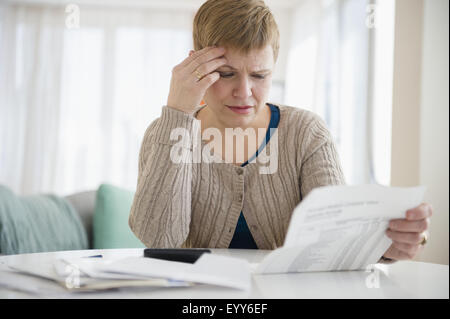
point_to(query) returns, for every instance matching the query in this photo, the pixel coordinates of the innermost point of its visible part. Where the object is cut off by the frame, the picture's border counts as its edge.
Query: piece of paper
(208, 269)
(85, 274)
(35, 285)
(80, 274)
(340, 228)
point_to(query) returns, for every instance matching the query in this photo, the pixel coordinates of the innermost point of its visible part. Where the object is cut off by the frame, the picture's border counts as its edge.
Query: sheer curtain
(328, 72)
(75, 100)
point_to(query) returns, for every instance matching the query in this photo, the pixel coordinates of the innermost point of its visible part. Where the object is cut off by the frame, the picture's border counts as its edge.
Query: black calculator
(186, 255)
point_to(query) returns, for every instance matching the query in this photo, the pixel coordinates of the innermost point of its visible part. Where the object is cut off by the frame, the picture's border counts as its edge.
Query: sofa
(93, 219)
(84, 204)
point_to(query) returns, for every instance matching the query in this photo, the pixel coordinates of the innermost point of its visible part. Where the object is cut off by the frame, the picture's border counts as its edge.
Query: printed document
(340, 228)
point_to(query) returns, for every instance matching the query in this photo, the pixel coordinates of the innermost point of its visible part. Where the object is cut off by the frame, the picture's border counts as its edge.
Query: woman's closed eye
(259, 76)
(230, 74)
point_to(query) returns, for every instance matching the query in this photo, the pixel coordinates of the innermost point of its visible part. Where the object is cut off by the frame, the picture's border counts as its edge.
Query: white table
(405, 279)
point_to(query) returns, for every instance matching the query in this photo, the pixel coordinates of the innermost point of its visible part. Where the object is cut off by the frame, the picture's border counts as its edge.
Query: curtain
(78, 91)
(76, 95)
(328, 73)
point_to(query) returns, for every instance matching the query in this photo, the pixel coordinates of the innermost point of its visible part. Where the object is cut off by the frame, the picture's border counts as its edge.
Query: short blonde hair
(243, 25)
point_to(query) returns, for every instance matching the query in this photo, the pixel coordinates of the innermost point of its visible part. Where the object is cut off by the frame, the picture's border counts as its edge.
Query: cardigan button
(239, 171)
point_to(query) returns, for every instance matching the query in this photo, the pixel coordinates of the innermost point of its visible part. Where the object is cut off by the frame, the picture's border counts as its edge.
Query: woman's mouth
(241, 109)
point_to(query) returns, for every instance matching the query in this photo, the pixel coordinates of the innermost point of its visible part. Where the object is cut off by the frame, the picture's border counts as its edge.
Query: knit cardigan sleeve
(161, 210)
(320, 163)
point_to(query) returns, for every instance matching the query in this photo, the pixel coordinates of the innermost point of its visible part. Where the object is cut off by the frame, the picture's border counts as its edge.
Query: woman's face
(244, 81)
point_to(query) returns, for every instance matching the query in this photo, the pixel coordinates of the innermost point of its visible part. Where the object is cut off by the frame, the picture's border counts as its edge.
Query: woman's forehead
(256, 60)
(250, 69)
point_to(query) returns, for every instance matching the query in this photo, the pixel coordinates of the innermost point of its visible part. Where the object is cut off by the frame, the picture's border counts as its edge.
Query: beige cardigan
(198, 204)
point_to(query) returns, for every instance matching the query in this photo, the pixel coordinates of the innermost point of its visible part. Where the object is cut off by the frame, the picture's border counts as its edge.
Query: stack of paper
(86, 274)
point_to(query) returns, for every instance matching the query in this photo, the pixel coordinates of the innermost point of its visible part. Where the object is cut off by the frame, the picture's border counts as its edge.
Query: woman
(231, 201)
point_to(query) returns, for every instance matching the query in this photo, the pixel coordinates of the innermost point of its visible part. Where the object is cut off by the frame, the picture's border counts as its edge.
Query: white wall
(406, 93)
(420, 106)
(434, 124)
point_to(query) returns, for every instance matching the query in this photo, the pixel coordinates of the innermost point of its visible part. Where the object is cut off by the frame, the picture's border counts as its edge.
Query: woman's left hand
(408, 234)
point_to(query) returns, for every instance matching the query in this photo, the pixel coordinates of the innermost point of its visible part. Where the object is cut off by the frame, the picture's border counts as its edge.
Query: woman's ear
(191, 52)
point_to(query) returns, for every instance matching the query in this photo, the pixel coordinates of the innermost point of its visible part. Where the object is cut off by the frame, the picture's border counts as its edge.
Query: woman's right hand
(192, 77)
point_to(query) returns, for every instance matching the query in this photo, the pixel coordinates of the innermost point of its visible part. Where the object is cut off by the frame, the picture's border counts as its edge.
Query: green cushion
(38, 223)
(110, 223)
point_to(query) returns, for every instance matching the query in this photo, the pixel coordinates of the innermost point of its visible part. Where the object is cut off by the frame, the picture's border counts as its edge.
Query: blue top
(242, 237)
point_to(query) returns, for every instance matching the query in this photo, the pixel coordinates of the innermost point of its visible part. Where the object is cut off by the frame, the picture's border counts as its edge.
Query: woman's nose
(243, 88)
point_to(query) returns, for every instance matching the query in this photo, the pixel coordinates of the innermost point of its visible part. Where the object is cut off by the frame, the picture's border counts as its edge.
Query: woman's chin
(234, 121)
(239, 118)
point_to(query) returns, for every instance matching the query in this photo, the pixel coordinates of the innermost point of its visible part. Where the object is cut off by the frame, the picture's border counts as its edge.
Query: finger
(195, 55)
(407, 238)
(404, 225)
(209, 80)
(422, 211)
(410, 249)
(211, 66)
(397, 254)
(205, 57)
